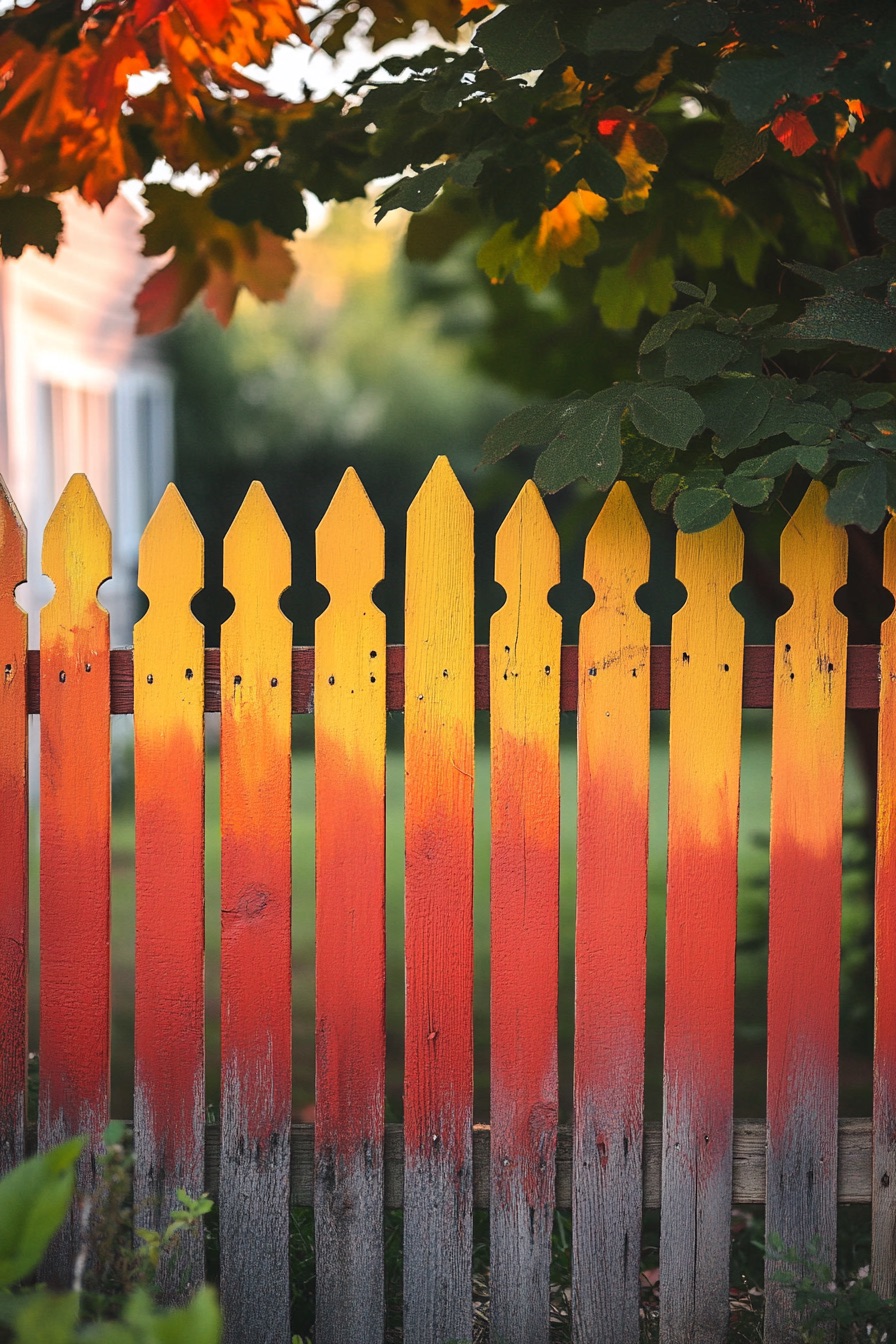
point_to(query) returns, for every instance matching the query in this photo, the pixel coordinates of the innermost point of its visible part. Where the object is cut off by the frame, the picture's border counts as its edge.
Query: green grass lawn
(750, 1057)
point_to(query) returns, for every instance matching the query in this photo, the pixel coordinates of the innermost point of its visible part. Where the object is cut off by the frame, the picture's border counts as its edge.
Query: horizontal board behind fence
(862, 678)
(853, 1182)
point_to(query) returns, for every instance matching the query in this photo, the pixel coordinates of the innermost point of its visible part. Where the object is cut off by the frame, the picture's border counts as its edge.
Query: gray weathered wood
(349, 1245)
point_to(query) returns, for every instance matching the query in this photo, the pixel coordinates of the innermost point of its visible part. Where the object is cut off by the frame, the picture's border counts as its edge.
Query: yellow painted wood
(701, 929)
(169, 795)
(13, 836)
(439, 765)
(169, 642)
(256, 902)
(77, 558)
(805, 902)
(525, 699)
(611, 926)
(883, 1183)
(350, 956)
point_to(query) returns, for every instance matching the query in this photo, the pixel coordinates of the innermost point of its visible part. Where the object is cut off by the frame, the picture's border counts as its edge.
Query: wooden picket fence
(800, 1161)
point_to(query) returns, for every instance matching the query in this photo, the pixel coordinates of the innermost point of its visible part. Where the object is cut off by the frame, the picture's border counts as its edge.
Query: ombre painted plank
(611, 929)
(13, 838)
(439, 765)
(525, 811)
(883, 1184)
(169, 795)
(350, 957)
(804, 902)
(701, 930)
(256, 1023)
(74, 844)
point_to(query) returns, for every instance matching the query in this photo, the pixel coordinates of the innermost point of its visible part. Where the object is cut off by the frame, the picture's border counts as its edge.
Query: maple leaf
(794, 132)
(878, 160)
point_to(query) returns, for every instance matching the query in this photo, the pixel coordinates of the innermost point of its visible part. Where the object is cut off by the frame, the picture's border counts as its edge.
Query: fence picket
(611, 929)
(701, 928)
(256, 891)
(525, 793)
(169, 1000)
(883, 1183)
(350, 744)
(74, 843)
(13, 838)
(804, 902)
(439, 766)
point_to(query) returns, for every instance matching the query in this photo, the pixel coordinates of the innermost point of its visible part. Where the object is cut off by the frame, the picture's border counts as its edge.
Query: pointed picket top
(889, 576)
(257, 557)
(351, 544)
(813, 552)
(13, 546)
(77, 553)
(711, 559)
(617, 554)
(527, 553)
(443, 495)
(171, 566)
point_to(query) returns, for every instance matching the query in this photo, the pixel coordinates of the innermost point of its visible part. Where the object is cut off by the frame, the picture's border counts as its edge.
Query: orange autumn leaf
(878, 160)
(794, 132)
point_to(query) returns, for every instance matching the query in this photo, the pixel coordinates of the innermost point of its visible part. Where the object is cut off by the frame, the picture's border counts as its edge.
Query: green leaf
(413, 193)
(696, 510)
(814, 459)
(29, 220)
(740, 150)
(528, 427)
(668, 415)
(679, 320)
(733, 409)
(665, 489)
(631, 27)
(749, 491)
(692, 292)
(197, 1323)
(753, 87)
(47, 1317)
(264, 194)
(860, 496)
(34, 1199)
(520, 38)
(622, 294)
(700, 354)
(594, 165)
(777, 463)
(848, 317)
(754, 317)
(589, 445)
(870, 401)
(885, 223)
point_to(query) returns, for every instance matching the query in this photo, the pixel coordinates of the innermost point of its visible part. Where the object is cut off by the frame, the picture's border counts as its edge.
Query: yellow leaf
(650, 83)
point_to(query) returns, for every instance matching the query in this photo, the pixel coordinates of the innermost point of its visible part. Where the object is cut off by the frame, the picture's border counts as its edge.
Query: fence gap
(611, 928)
(169, 848)
(74, 844)
(701, 927)
(439, 770)
(883, 1181)
(804, 905)
(13, 838)
(350, 745)
(525, 793)
(256, 893)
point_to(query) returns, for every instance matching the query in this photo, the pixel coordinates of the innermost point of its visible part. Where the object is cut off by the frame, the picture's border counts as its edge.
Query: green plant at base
(847, 1312)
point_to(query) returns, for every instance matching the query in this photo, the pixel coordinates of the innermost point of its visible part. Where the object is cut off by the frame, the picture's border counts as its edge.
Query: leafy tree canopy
(724, 167)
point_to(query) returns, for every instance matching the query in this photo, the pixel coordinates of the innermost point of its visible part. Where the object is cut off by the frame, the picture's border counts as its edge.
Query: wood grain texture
(883, 1216)
(862, 678)
(256, 891)
(804, 901)
(169, 798)
(525, 797)
(350, 784)
(611, 928)
(439, 765)
(74, 844)
(748, 1187)
(13, 838)
(701, 930)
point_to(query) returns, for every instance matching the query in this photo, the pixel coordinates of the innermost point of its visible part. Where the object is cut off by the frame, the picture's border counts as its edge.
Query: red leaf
(878, 161)
(794, 132)
(167, 293)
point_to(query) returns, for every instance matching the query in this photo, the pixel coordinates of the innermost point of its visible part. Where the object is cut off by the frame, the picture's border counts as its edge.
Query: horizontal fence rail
(801, 1162)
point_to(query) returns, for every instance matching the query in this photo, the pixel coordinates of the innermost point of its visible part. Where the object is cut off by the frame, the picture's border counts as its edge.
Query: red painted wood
(13, 839)
(74, 844)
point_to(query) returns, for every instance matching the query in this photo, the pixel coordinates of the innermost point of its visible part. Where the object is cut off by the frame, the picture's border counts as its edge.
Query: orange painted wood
(74, 842)
(256, 893)
(13, 838)
(883, 1184)
(701, 930)
(169, 984)
(611, 928)
(350, 782)
(439, 768)
(804, 901)
(525, 796)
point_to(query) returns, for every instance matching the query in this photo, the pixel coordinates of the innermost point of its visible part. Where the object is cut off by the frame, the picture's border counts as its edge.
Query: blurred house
(80, 392)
